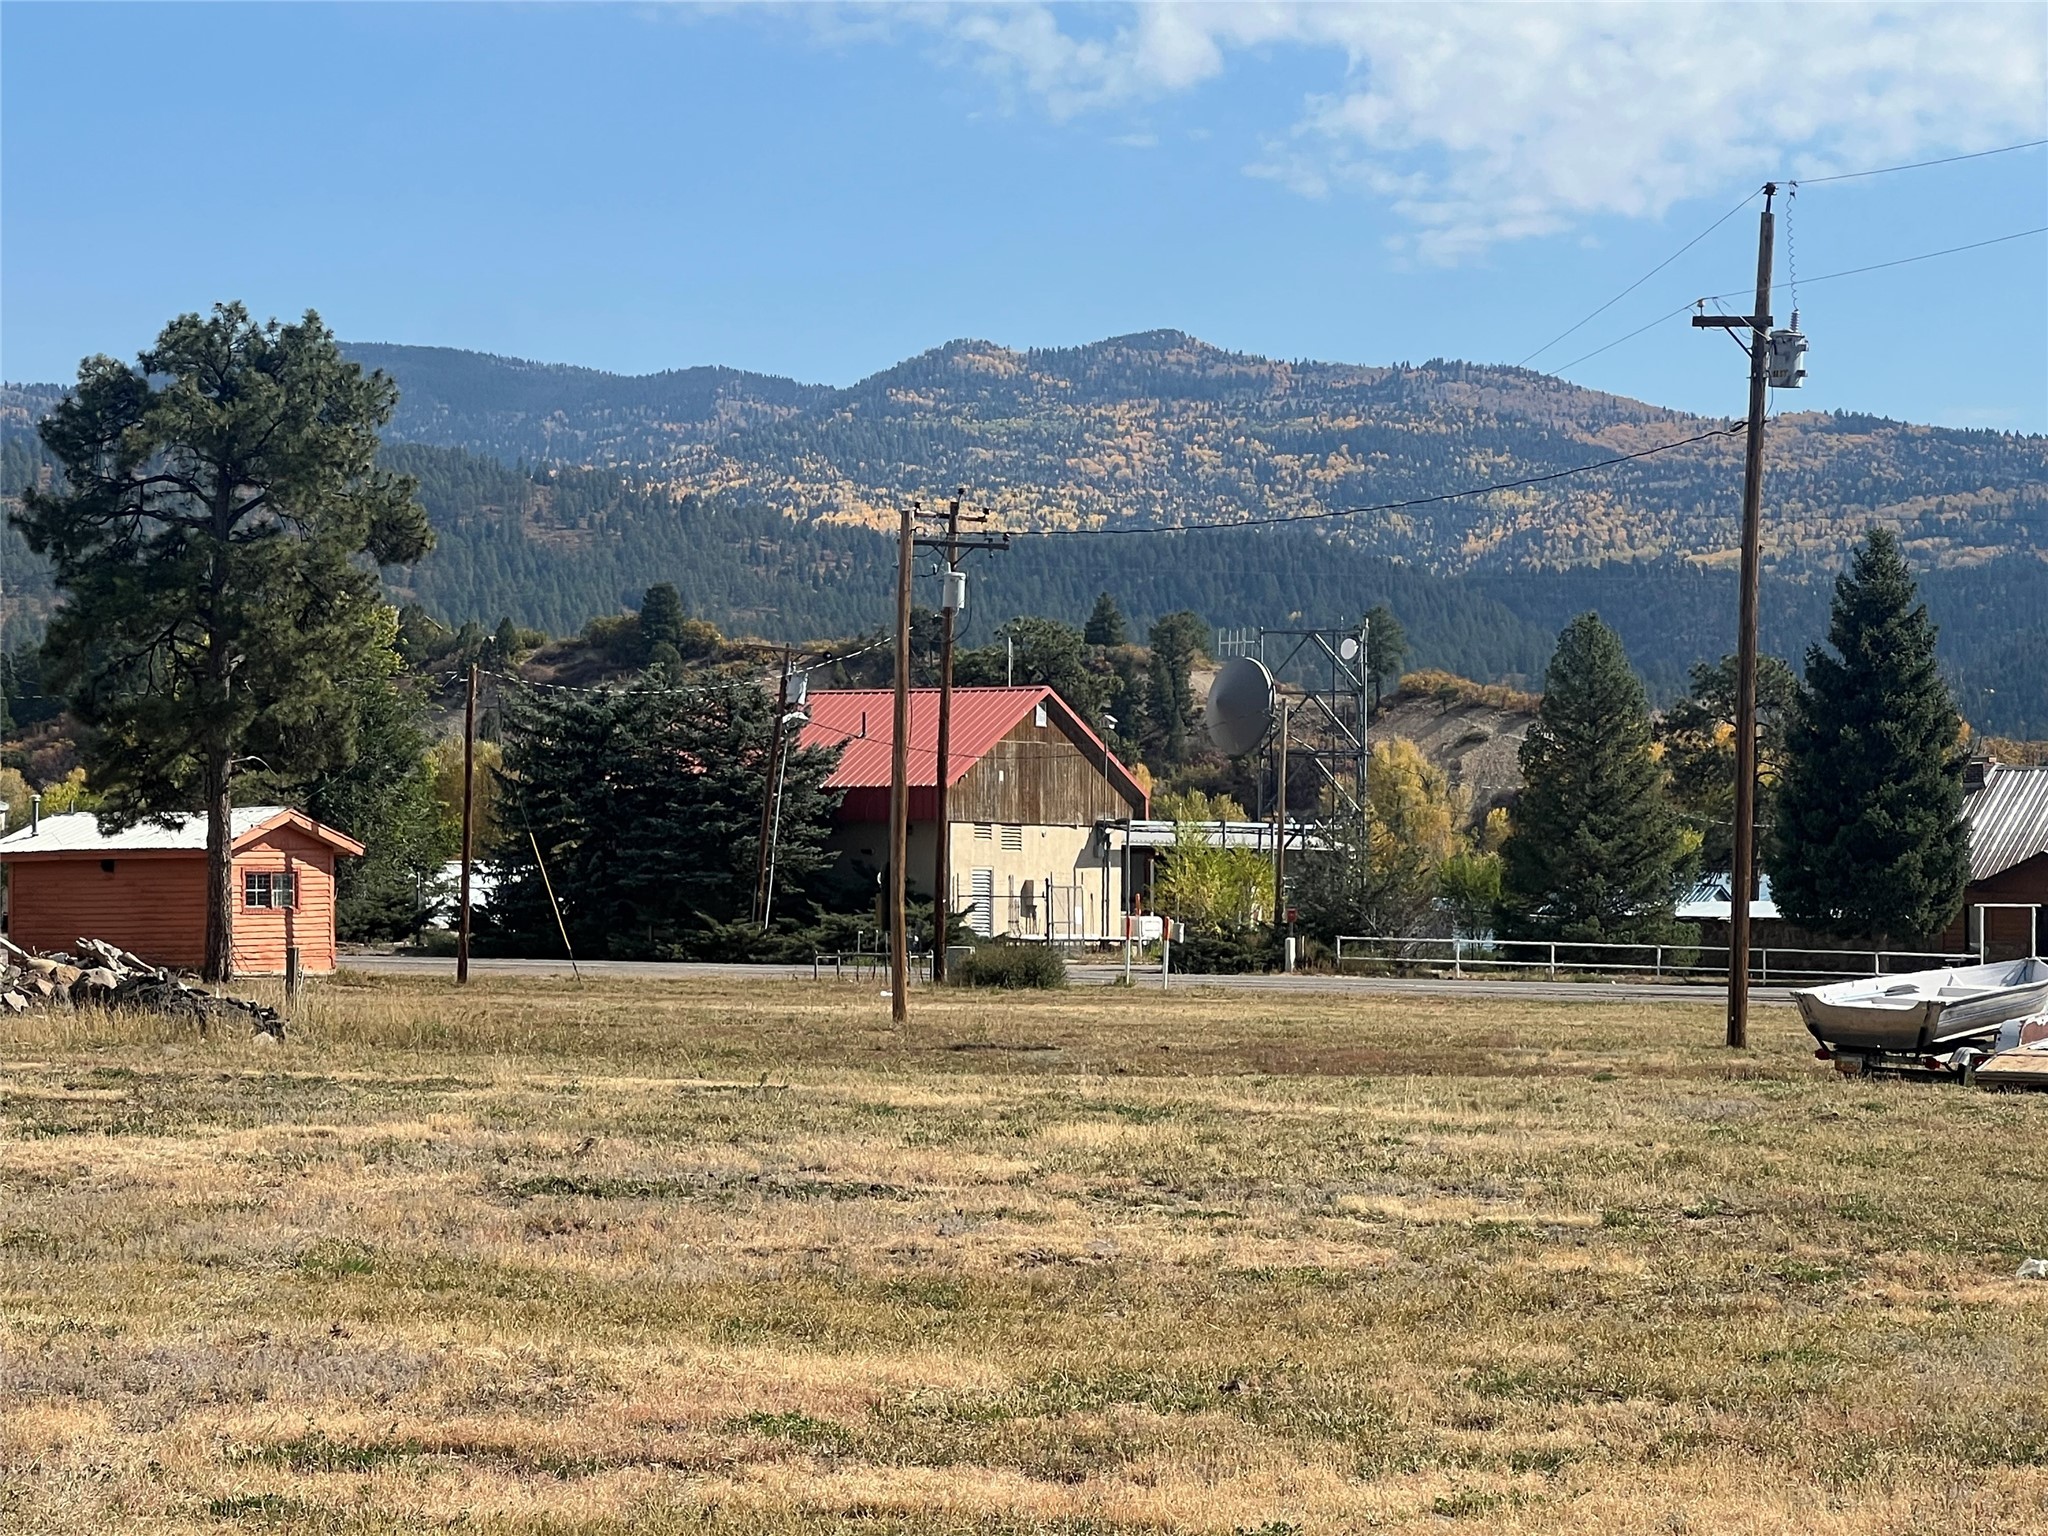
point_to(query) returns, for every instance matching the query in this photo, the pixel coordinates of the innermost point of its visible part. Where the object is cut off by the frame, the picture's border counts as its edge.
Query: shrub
(1011, 965)
(1227, 951)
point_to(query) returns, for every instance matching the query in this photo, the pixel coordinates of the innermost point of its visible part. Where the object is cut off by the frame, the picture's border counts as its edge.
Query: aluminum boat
(1922, 1013)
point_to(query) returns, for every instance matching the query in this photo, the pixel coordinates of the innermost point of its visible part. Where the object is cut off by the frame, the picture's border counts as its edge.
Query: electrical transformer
(1787, 356)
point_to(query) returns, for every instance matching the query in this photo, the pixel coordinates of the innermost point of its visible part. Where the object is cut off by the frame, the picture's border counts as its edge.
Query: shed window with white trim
(277, 889)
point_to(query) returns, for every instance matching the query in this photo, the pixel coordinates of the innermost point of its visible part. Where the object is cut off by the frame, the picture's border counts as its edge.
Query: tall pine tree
(209, 532)
(1596, 852)
(1869, 840)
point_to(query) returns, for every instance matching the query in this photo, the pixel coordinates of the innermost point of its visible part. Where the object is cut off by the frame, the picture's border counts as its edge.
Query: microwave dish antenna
(1240, 706)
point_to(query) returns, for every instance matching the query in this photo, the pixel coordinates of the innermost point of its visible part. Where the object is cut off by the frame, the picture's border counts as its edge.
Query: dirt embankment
(1478, 744)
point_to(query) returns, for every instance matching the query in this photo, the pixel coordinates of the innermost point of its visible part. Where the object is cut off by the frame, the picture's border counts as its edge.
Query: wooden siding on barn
(1036, 776)
(154, 904)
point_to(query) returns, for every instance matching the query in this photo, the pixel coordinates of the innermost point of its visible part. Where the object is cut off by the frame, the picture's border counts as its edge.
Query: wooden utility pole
(1742, 875)
(468, 827)
(899, 786)
(942, 840)
(1280, 829)
(950, 546)
(768, 791)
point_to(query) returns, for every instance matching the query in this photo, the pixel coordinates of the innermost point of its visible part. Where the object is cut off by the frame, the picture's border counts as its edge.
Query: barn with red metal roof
(1032, 797)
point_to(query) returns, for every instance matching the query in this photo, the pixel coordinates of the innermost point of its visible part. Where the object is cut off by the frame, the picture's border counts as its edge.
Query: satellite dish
(1240, 706)
(1348, 648)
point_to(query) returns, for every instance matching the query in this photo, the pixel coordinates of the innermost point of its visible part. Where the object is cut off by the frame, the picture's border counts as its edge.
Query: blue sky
(823, 191)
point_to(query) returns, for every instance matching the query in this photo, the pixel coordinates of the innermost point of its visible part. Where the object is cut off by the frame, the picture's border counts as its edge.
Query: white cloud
(1484, 123)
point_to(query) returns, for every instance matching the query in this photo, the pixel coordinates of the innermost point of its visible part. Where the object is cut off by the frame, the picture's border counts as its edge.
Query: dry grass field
(736, 1258)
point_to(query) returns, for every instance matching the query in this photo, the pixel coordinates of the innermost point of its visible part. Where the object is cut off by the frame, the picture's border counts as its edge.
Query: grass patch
(742, 1257)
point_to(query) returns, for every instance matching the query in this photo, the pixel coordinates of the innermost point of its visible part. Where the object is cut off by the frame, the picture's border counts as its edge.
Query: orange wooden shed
(144, 887)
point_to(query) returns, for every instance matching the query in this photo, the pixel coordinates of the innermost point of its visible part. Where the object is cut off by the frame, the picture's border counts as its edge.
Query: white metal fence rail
(1572, 957)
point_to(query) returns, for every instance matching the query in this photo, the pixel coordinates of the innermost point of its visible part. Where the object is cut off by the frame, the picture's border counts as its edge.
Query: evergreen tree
(1046, 651)
(1596, 852)
(384, 798)
(216, 500)
(1386, 647)
(661, 617)
(505, 646)
(1178, 640)
(1106, 624)
(1869, 839)
(647, 807)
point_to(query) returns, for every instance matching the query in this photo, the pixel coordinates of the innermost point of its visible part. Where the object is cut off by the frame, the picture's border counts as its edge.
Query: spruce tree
(1106, 624)
(661, 617)
(646, 804)
(1178, 641)
(1869, 841)
(1596, 852)
(1386, 647)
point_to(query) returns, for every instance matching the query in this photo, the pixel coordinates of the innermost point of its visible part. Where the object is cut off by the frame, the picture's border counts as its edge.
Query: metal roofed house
(1034, 802)
(144, 887)
(2006, 809)
(1708, 900)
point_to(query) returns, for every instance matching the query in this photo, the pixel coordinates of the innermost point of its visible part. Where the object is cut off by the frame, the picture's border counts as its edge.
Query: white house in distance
(1036, 803)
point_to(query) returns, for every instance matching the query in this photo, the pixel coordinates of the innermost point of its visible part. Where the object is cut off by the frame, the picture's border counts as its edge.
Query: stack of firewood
(96, 974)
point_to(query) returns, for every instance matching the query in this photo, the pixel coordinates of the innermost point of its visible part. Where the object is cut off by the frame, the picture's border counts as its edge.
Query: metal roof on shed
(79, 832)
(2008, 819)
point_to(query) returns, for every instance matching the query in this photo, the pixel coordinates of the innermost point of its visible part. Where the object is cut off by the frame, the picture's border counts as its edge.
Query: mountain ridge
(770, 501)
(1159, 428)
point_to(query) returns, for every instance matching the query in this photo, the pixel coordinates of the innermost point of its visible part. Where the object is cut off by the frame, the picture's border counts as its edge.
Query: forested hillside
(548, 412)
(755, 496)
(1161, 428)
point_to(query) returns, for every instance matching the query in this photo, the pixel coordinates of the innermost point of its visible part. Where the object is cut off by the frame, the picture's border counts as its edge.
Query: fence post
(1165, 950)
(1764, 958)
(1660, 962)
(1553, 962)
(291, 980)
(1457, 957)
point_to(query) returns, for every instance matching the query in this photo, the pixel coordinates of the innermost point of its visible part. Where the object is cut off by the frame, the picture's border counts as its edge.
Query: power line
(1389, 506)
(1916, 165)
(1631, 336)
(1880, 266)
(1903, 261)
(1813, 181)
(1632, 287)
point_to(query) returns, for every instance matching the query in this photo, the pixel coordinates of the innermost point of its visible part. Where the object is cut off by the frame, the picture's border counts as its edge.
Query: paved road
(1102, 975)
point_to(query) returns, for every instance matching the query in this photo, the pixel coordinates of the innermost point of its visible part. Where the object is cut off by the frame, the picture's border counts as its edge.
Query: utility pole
(942, 830)
(1280, 831)
(1742, 877)
(899, 785)
(468, 827)
(952, 599)
(768, 778)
